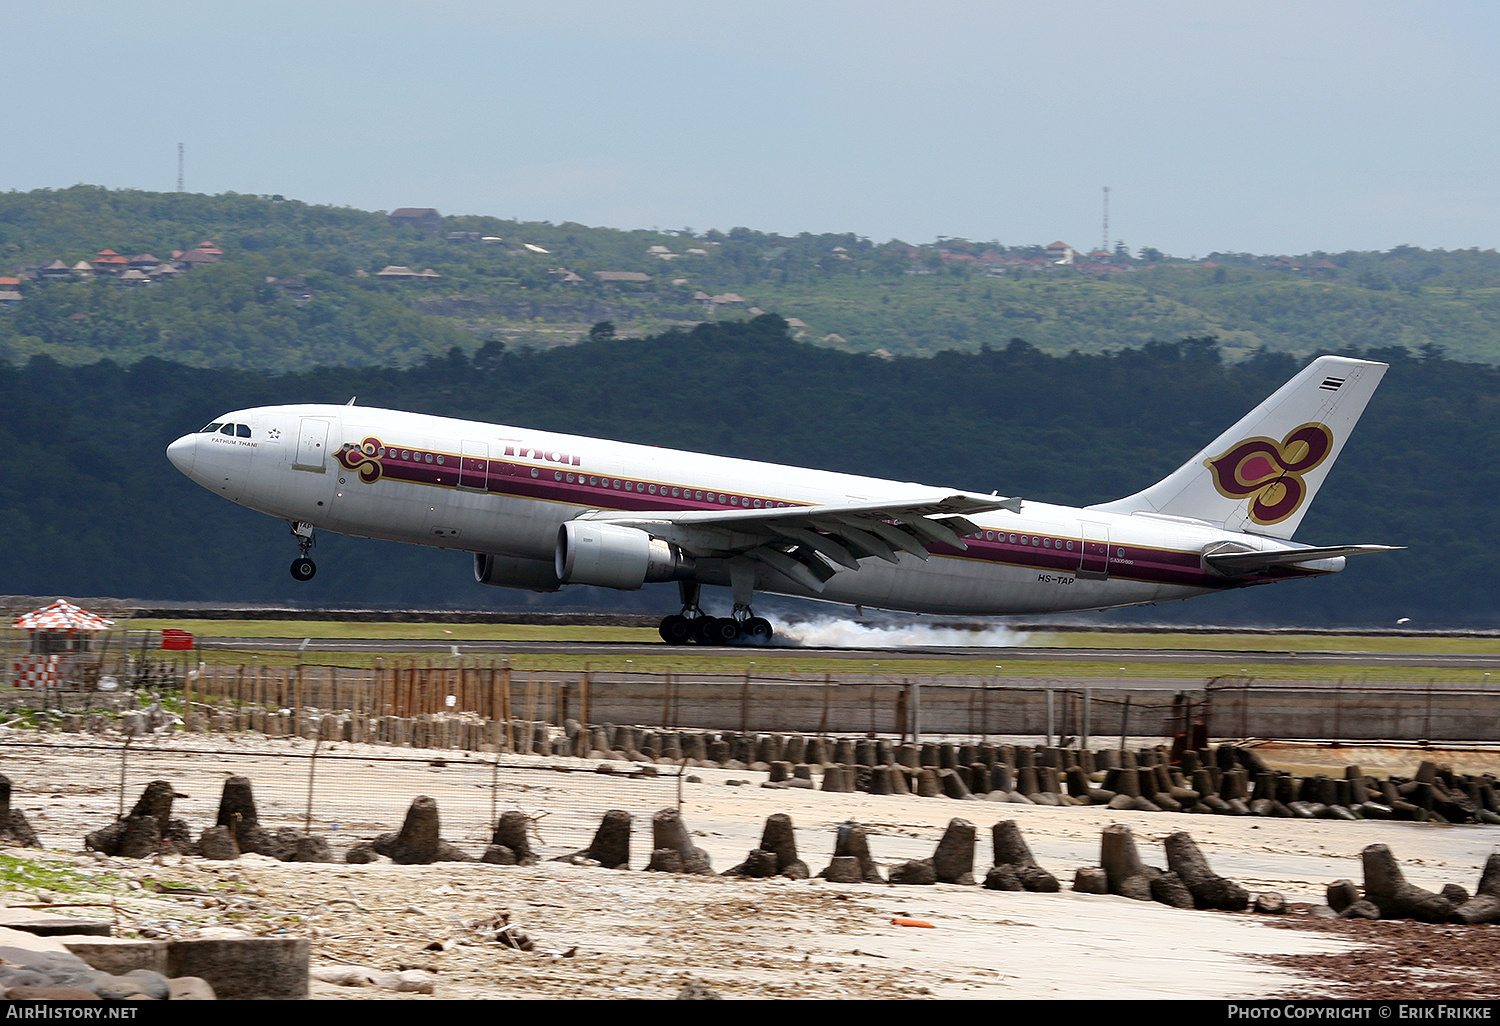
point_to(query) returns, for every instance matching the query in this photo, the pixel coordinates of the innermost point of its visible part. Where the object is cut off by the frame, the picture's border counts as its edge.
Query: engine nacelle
(514, 572)
(611, 556)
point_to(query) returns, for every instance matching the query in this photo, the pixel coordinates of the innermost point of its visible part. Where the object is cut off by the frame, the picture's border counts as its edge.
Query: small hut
(60, 634)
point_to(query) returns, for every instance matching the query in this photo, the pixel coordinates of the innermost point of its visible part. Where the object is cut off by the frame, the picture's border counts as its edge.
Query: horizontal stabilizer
(1247, 562)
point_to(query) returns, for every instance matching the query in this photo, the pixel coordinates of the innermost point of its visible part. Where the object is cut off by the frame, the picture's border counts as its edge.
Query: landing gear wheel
(303, 568)
(722, 631)
(756, 631)
(702, 628)
(676, 630)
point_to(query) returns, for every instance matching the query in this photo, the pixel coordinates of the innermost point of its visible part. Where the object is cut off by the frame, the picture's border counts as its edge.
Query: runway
(1478, 662)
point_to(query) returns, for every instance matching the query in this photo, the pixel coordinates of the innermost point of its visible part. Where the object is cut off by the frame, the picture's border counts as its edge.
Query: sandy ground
(610, 934)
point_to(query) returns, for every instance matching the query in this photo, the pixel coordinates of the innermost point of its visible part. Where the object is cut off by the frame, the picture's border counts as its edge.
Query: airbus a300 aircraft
(541, 510)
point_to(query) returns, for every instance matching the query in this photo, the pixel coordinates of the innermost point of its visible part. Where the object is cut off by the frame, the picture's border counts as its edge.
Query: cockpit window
(211, 428)
(242, 430)
(227, 429)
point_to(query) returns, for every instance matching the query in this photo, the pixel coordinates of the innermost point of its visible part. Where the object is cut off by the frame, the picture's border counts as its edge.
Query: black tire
(723, 631)
(676, 630)
(756, 631)
(304, 568)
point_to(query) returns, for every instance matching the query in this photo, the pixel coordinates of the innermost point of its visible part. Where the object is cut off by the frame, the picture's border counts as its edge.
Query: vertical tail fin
(1261, 475)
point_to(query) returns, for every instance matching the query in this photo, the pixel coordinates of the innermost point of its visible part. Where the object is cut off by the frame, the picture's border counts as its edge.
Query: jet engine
(612, 556)
(514, 572)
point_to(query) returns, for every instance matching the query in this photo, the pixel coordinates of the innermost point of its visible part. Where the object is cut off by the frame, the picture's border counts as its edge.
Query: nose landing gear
(303, 568)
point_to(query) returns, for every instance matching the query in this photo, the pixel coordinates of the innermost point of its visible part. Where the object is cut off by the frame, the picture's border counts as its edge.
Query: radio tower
(179, 168)
(1106, 245)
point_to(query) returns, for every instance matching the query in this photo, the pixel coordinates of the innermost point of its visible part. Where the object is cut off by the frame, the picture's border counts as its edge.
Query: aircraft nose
(181, 453)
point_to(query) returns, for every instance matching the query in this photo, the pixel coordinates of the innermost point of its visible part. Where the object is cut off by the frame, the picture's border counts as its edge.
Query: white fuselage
(506, 491)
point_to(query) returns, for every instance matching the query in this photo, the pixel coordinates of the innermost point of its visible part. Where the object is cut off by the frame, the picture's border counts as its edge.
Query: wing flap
(842, 534)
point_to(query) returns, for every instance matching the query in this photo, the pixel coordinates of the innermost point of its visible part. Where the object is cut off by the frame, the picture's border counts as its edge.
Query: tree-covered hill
(540, 285)
(89, 504)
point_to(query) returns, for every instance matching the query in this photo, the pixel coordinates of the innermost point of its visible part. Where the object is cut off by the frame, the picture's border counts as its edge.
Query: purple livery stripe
(372, 460)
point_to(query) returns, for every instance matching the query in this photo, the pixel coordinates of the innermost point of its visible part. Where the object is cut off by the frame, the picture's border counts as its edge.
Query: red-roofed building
(109, 262)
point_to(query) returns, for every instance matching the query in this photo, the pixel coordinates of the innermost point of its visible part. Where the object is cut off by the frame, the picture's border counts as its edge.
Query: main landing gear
(692, 624)
(302, 567)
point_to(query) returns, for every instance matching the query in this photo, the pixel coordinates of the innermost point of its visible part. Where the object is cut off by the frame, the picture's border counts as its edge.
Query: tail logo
(1271, 471)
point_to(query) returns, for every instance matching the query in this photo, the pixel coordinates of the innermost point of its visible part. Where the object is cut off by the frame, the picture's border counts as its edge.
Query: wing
(804, 543)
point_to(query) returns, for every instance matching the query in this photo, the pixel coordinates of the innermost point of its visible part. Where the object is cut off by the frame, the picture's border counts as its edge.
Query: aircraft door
(1093, 561)
(473, 466)
(312, 445)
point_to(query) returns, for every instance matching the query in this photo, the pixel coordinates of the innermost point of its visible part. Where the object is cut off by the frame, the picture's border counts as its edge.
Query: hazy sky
(1267, 127)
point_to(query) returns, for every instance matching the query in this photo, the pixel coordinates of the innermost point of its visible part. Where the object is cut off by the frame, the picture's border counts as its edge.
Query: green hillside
(299, 285)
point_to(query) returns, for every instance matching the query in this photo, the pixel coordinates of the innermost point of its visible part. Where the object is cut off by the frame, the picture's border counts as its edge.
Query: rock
(1387, 889)
(953, 861)
(917, 871)
(843, 869)
(1270, 903)
(1003, 878)
(511, 831)
(850, 840)
(1209, 890)
(1341, 894)
(1122, 864)
(1169, 889)
(1360, 909)
(777, 854)
(418, 843)
(218, 843)
(1011, 849)
(668, 831)
(1087, 880)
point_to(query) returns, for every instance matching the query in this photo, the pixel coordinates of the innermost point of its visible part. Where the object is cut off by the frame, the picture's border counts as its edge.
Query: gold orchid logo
(363, 457)
(1271, 471)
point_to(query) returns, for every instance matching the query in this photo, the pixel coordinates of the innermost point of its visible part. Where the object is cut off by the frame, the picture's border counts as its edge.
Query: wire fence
(70, 789)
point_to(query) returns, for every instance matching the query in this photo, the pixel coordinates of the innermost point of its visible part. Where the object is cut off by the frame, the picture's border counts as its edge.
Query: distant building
(194, 258)
(107, 261)
(424, 218)
(622, 276)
